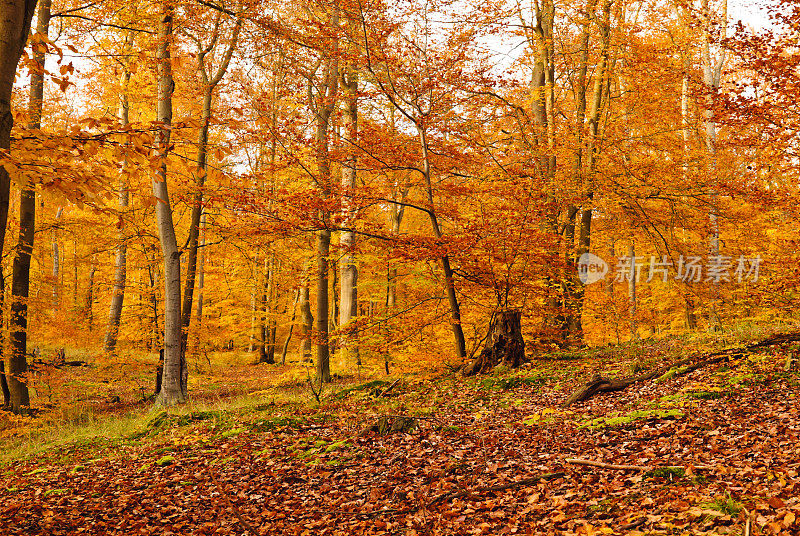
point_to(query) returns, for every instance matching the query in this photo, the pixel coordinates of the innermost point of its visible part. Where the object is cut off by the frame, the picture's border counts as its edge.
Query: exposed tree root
(601, 384)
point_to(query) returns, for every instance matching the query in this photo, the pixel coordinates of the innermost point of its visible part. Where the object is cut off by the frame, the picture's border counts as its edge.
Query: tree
(15, 23)
(208, 85)
(20, 281)
(120, 263)
(174, 370)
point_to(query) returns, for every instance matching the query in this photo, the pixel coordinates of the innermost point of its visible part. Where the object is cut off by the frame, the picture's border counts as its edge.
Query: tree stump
(505, 346)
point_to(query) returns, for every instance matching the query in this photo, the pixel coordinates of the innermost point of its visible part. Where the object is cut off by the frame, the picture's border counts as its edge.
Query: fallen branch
(633, 524)
(603, 465)
(601, 384)
(389, 388)
(488, 489)
(245, 524)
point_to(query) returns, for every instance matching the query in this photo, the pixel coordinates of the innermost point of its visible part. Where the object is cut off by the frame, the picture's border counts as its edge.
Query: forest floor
(716, 451)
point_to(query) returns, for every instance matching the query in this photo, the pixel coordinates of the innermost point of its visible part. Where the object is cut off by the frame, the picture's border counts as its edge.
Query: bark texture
(175, 372)
(20, 279)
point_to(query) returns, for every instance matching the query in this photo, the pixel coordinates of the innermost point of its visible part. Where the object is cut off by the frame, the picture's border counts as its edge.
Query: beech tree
(172, 389)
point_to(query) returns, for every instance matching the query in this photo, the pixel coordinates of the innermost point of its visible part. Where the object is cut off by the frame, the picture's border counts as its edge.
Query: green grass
(724, 504)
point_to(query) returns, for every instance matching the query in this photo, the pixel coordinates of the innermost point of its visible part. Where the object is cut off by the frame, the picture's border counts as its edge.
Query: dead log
(505, 346)
(601, 384)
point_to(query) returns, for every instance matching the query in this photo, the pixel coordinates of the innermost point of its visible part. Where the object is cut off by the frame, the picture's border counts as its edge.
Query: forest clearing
(399, 267)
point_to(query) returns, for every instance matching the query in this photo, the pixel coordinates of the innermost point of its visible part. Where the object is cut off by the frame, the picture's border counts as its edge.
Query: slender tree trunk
(209, 84)
(323, 350)
(348, 305)
(307, 322)
(155, 333)
(56, 260)
(266, 350)
(291, 327)
(20, 283)
(90, 296)
(175, 370)
(712, 75)
(632, 294)
(120, 263)
(323, 106)
(201, 276)
(450, 289)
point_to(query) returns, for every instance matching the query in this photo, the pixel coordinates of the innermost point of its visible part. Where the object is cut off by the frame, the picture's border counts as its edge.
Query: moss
(671, 373)
(666, 472)
(343, 444)
(267, 425)
(619, 420)
(375, 387)
(704, 395)
(165, 460)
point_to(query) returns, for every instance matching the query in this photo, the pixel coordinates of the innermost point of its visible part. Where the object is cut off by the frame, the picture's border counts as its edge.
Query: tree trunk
(505, 346)
(3, 380)
(323, 351)
(307, 323)
(173, 386)
(348, 305)
(266, 351)
(712, 73)
(202, 169)
(632, 294)
(120, 263)
(56, 259)
(154, 341)
(291, 327)
(15, 22)
(90, 296)
(449, 283)
(323, 106)
(20, 283)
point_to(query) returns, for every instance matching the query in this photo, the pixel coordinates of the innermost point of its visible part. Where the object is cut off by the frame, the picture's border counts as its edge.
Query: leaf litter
(481, 460)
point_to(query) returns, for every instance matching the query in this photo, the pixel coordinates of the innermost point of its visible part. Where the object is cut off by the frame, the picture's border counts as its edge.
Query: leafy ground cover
(712, 452)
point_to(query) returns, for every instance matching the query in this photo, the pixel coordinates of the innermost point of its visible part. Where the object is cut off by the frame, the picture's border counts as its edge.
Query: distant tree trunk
(266, 351)
(90, 296)
(175, 371)
(56, 259)
(120, 263)
(307, 322)
(20, 283)
(255, 293)
(505, 346)
(632, 294)
(201, 277)
(712, 76)
(154, 341)
(348, 305)
(291, 327)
